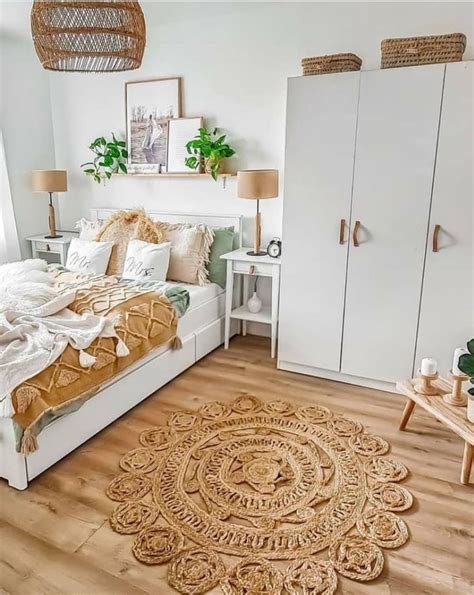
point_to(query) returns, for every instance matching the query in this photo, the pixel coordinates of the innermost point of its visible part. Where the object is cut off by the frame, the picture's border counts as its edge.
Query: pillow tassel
(86, 360)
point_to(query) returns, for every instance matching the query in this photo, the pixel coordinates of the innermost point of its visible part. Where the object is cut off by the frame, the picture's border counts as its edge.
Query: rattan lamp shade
(95, 36)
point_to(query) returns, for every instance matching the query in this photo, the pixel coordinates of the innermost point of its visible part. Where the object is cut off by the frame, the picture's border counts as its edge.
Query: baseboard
(259, 329)
(388, 387)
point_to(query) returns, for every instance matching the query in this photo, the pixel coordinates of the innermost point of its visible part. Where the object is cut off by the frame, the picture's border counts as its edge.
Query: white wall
(25, 119)
(234, 59)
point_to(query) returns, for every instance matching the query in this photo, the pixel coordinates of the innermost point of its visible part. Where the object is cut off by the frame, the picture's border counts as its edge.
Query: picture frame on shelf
(149, 105)
(180, 131)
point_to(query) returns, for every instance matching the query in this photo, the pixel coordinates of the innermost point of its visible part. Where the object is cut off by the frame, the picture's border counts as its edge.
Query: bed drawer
(121, 394)
(211, 336)
(248, 268)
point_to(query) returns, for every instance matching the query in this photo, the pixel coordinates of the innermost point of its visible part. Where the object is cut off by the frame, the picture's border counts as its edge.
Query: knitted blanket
(144, 316)
(36, 326)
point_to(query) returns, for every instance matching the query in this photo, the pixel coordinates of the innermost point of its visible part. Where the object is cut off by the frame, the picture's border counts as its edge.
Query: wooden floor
(55, 537)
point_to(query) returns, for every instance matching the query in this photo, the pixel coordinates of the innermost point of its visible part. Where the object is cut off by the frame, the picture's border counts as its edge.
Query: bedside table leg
(467, 463)
(63, 255)
(245, 298)
(275, 305)
(407, 414)
(228, 302)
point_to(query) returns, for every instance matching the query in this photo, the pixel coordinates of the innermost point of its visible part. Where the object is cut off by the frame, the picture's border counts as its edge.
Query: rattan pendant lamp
(95, 36)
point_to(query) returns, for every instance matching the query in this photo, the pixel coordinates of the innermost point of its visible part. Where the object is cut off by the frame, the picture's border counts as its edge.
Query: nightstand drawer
(47, 247)
(250, 268)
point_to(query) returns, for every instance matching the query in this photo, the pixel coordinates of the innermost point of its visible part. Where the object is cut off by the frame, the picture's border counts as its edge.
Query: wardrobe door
(320, 137)
(396, 145)
(447, 305)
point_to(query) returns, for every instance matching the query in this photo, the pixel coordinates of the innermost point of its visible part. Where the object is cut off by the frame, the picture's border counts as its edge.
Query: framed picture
(180, 131)
(149, 105)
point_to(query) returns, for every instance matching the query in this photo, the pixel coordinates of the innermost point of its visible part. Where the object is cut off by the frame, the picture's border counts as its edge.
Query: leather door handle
(342, 227)
(355, 234)
(436, 231)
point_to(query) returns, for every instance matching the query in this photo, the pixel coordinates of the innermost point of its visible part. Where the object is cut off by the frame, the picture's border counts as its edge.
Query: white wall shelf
(224, 176)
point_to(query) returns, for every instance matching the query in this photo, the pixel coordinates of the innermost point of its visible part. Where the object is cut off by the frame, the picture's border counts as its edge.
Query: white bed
(201, 330)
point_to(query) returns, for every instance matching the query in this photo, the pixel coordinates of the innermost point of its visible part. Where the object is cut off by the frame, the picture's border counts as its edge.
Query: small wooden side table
(453, 417)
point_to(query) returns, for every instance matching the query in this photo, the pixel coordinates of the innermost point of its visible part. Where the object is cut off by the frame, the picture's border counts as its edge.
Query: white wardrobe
(377, 267)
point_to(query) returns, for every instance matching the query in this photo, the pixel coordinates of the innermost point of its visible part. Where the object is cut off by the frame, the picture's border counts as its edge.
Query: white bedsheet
(198, 294)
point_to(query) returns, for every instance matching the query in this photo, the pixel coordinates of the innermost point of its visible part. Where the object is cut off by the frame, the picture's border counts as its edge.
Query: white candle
(457, 354)
(429, 366)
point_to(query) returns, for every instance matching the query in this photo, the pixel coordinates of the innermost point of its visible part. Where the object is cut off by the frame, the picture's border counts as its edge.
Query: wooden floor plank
(62, 544)
(31, 566)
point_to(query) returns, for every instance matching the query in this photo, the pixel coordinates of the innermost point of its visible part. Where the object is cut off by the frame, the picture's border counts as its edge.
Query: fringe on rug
(28, 443)
(176, 342)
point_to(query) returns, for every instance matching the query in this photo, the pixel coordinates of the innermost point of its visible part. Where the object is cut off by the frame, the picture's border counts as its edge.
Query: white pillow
(146, 262)
(85, 256)
(88, 229)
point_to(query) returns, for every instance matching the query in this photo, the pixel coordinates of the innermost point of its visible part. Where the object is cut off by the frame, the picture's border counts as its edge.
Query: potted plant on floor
(207, 151)
(466, 365)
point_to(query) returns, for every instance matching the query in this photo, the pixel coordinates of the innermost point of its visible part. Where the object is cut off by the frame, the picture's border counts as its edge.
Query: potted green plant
(208, 150)
(466, 365)
(111, 158)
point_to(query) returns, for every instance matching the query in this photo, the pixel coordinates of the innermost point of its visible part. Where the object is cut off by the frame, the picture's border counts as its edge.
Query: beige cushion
(122, 227)
(190, 246)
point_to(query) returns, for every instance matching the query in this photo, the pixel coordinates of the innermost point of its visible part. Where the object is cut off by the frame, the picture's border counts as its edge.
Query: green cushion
(223, 242)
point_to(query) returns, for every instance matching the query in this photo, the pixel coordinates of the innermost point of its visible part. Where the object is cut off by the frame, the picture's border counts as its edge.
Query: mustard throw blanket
(144, 315)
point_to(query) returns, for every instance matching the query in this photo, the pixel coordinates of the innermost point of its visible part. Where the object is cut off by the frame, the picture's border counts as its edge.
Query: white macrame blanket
(36, 327)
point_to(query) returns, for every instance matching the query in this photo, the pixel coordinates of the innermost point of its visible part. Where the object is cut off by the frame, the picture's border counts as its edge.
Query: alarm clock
(274, 248)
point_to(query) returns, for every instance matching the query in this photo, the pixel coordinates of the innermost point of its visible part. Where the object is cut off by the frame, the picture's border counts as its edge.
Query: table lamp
(52, 180)
(257, 184)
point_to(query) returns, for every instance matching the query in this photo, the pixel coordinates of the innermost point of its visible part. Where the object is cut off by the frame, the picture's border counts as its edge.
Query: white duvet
(36, 326)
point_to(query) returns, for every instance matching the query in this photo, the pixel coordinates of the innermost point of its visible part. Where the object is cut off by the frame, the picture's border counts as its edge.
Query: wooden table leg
(407, 414)
(467, 462)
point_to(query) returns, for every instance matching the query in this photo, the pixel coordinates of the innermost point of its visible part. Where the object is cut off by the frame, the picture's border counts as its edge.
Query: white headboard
(234, 221)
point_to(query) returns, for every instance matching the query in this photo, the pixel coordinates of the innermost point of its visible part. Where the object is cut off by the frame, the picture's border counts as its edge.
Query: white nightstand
(240, 263)
(59, 246)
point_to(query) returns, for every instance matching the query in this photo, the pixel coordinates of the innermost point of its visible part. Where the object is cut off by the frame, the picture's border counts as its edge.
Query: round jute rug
(261, 498)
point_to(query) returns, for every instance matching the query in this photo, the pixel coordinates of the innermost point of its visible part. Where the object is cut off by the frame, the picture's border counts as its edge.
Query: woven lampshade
(257, 183)
(49, 180)
(95, 36)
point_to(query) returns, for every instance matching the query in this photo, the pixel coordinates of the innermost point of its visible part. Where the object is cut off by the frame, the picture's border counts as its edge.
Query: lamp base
(259, 253)
(52, 237)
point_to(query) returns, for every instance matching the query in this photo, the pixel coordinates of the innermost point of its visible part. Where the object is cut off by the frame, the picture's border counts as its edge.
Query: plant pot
(209, 163)
(470, 408)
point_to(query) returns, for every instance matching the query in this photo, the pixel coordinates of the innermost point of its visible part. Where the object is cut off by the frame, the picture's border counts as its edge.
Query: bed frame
(125, 390)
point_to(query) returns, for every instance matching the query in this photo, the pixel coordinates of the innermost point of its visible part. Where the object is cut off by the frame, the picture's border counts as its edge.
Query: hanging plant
(111, 158)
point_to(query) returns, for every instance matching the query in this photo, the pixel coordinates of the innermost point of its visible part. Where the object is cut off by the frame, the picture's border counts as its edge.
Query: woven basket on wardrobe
(413, 51)
(331, 63)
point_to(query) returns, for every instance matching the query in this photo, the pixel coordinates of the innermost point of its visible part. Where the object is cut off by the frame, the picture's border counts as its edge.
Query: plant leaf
(466, 364)
(123, 167)
(470, 346)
